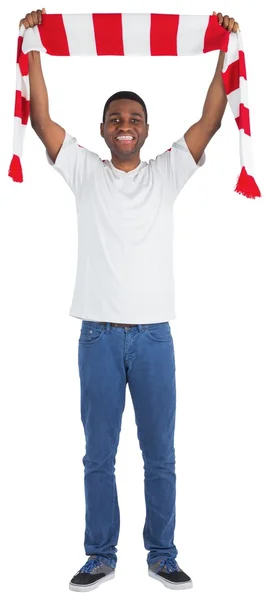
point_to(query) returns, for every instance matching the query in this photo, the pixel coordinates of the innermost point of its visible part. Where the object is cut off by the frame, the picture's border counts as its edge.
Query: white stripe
(80, 34)
(246, 157)
(232, 53)
(32, 40)
(136, 34)
(240, 41)
(18, 136)
(18, 78)
(191, 34)
(22, 83)
(239, 96)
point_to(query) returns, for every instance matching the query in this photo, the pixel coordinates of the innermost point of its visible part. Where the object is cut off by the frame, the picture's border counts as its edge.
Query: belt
(119, 324)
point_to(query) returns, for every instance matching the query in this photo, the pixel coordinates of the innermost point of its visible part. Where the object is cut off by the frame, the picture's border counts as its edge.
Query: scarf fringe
(247, 185)
(15, 169)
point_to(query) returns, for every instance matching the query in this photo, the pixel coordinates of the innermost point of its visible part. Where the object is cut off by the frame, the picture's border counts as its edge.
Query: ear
(101, 130)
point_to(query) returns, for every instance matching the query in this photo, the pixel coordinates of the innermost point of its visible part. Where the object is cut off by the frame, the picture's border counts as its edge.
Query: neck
(127, 164)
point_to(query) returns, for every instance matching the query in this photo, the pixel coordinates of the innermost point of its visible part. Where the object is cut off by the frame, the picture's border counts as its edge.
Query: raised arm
(51, 134)
(199, 135)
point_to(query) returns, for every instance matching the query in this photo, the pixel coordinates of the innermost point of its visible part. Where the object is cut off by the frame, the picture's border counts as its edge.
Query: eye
(115, 119)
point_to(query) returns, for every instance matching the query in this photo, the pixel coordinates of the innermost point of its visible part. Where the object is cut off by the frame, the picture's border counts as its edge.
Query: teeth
(126, 137)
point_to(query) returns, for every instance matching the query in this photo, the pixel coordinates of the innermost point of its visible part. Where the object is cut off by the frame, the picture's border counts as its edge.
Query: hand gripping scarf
(137, 34)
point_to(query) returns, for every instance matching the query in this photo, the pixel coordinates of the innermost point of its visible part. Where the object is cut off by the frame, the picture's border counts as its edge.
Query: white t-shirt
(125, 232)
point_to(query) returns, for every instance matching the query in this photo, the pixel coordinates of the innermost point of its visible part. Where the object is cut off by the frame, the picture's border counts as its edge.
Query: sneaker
(169, 573)
(89, 577)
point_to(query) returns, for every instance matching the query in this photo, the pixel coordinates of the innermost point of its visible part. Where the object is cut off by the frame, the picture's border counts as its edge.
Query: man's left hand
(227, 22)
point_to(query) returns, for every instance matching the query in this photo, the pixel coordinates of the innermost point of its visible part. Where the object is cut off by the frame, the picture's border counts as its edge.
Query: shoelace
(91, 564)
(170, 563)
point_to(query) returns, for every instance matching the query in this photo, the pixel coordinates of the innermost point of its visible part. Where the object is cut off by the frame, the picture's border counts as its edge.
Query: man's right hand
(33, 18)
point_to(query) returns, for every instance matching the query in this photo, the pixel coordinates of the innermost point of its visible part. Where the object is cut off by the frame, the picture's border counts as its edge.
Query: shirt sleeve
(73, 162)
(177, 165)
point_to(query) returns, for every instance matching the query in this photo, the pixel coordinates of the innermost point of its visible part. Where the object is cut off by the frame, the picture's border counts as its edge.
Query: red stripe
(242, 64)
(22, 58)
(163, 35)
(19, 47)
(231, 77)
(108, 33)
(216, 37)
(22, 107)
(53, 35)
(243, 121)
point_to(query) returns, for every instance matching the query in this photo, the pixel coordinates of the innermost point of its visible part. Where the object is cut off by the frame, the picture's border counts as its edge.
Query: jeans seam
(113, 512)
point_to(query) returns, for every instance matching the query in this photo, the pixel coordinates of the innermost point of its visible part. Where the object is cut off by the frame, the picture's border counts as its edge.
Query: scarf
(137, 34)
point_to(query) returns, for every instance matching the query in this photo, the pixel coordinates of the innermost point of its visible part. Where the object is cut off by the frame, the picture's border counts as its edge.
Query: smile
(125, 141)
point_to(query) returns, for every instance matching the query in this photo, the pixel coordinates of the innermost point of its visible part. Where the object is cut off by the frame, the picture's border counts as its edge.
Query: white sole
(172, 586)
(88, 588)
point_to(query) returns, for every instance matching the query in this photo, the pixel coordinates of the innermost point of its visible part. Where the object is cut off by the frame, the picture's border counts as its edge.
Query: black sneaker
(89, 577)
(169, 573)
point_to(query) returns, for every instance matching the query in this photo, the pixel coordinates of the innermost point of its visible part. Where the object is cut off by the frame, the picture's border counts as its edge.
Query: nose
(124, 131)
(123, 126)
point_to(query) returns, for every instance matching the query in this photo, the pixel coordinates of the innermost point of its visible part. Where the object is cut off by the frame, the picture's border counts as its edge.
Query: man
(124, 295)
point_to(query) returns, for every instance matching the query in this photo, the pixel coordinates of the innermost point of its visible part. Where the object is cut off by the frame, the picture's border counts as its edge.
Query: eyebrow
(133, 113)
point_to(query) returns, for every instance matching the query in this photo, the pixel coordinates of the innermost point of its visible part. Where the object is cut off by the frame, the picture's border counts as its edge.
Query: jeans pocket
(160, 332)
(90, 335)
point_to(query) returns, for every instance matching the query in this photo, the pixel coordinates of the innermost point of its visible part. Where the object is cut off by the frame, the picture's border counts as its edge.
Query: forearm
(39, 103)
(216, 99)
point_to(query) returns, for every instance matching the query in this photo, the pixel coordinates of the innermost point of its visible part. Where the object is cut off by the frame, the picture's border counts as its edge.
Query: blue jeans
(109, 357)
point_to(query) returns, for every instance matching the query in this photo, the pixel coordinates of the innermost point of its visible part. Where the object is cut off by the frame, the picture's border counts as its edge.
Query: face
(129, 120)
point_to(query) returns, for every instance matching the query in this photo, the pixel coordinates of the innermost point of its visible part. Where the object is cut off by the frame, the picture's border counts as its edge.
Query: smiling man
(125, 129)
(124, 296)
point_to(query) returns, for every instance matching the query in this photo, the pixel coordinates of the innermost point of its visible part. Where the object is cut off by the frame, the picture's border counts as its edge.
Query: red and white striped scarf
(137, 34)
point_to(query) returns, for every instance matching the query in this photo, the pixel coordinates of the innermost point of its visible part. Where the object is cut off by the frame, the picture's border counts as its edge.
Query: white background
(221, 334)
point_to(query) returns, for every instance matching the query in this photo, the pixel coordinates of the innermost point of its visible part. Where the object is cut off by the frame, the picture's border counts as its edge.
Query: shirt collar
(121, 172)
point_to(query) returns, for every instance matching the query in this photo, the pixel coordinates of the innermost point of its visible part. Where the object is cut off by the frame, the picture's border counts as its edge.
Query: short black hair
(126, 96)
